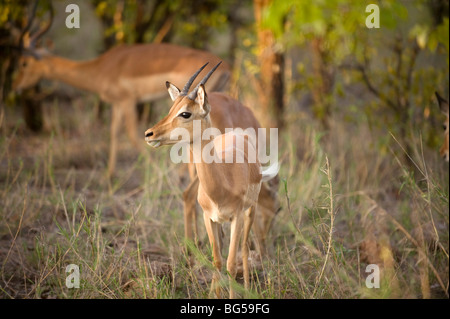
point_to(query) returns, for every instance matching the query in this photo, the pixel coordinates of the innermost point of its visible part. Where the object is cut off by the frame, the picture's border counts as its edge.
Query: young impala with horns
(227, 192)
(227, 113)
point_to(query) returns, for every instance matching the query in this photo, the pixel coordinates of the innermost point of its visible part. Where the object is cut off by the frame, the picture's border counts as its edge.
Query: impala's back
(146, 67)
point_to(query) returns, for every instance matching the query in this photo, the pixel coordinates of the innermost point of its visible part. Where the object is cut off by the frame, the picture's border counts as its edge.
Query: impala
(122, 76)
(443, 105)
(227, 112)
(227, 192)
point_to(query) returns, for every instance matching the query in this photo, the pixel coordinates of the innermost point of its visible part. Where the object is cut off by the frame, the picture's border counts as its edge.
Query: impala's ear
(443, 104)
(201, 99)
(174, 92)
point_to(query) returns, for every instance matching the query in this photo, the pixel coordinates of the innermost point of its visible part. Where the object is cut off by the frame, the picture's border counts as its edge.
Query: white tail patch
(270, 172)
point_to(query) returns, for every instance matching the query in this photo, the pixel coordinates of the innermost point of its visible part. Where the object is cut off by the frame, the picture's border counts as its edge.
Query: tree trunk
(323, 84)
(271, 83)
(32, 109)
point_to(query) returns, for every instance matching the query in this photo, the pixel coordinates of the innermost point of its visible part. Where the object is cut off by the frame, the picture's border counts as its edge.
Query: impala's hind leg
(248, 221)
(190, 211)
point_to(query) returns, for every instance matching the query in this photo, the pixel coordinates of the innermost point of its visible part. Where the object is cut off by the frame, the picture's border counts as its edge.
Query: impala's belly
(222, 216)
(148, 88)
(151, 96)
(213, 211)
(225, 211)
(151, 87)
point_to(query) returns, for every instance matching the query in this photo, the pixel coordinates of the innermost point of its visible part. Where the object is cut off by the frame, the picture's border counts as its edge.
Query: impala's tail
(270, 172)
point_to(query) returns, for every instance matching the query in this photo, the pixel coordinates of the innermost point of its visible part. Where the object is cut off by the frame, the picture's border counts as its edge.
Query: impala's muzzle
(150, 141)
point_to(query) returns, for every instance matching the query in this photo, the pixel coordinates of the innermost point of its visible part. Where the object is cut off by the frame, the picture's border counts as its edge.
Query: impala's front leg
(212, 229)
(116, 119)
(236, 231)
(131, 123)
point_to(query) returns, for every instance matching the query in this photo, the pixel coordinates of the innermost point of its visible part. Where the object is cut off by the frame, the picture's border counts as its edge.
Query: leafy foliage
(388, 61)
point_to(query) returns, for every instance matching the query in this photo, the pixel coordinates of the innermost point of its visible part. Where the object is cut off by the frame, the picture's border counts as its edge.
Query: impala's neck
(207, 172)
(198, 144)
(83, 75)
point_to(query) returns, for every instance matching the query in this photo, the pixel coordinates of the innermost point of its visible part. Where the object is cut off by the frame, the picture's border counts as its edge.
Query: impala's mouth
(154, 143)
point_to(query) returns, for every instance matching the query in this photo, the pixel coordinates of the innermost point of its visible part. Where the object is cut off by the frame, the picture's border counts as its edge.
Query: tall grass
(345, 205)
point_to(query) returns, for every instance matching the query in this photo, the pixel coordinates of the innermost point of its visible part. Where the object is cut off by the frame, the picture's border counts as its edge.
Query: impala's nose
(150, 140)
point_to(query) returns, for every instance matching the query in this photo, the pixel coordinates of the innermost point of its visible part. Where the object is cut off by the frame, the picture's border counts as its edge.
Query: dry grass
(345, 205)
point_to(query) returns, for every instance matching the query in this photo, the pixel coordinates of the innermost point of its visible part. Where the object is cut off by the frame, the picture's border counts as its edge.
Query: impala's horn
(44, 30)
(28, 26)
(191, 80)
(193, 94)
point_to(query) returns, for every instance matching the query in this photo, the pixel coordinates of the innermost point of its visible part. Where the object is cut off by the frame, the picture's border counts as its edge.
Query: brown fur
(122, 76)
(443, 105)
(227, 112)
(226, 192)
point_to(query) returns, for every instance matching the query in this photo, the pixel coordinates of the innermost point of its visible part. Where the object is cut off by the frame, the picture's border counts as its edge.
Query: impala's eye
(185, 115)
(24, 64)
(444, 127)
